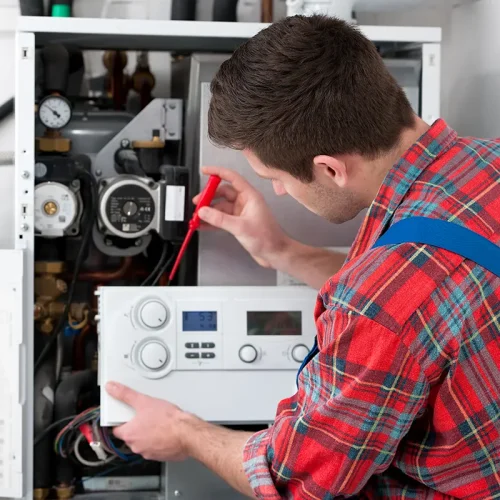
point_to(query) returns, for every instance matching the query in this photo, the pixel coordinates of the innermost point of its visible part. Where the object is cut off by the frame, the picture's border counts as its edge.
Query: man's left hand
(156, 432)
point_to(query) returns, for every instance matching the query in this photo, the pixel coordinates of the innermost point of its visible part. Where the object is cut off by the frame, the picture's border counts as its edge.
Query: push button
(192, 355)
(207, 345)
(192, 345)
(208, 355)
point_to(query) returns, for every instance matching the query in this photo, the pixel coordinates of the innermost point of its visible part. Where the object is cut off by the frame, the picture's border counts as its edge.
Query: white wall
(474, 60)
(8, 15)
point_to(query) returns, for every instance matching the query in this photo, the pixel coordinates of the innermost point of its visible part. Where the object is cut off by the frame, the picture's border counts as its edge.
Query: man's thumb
(219, 219)
(122, 393)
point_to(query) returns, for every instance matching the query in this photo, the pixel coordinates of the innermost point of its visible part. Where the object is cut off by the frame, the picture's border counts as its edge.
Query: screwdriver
(206, 198)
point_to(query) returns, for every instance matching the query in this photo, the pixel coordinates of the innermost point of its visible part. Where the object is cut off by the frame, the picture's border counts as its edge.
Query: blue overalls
(437, 233)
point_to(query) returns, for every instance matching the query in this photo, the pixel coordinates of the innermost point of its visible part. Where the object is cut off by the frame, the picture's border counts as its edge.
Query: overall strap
(438, 233)
(445, 235)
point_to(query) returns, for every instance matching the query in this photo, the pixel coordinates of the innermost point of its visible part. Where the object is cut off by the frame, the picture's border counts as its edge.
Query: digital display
(274, 323)
(199, 321)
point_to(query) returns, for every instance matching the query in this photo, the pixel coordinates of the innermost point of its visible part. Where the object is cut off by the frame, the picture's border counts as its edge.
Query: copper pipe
(267, 11)
(106, 276)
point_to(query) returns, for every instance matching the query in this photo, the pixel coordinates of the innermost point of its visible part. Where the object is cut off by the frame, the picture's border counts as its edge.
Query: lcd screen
(274, 323)
(199, 321)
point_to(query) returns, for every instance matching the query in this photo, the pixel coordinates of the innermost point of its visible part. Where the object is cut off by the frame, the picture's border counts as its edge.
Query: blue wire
(114, 448)
(116, 467)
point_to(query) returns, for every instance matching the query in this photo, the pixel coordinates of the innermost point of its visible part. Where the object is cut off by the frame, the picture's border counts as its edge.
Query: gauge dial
(55, 112)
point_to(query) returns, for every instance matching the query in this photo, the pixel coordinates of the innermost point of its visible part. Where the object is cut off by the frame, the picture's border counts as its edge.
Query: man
(402, 399)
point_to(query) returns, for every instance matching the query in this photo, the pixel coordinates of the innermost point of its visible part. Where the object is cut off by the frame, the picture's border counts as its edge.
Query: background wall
(470, 93)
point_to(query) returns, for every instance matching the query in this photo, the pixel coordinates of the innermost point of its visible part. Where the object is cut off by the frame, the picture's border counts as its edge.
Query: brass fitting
(40, 493)
(64, 492)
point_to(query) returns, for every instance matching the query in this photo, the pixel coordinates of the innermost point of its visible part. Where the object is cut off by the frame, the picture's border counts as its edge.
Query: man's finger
(122, 393)
(225, 191)
(119, 432)
(224, 206)
(238, 182)
(220, 220)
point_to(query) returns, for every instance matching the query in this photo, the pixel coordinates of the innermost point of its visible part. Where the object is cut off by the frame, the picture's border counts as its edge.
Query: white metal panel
(7, 197)
(225, 387)
(119, 31)
(24, 237)
(431, 82)
(12, 381)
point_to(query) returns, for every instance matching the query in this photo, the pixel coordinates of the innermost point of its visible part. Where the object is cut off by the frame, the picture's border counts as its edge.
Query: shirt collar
(433, 143)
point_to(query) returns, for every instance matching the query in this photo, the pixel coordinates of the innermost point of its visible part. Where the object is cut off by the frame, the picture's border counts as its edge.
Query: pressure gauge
(54, 112)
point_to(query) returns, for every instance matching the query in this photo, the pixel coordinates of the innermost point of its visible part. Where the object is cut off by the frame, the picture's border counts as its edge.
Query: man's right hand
(242, 211)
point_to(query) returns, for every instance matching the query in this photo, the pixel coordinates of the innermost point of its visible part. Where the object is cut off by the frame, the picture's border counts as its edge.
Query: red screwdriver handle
(205, 199)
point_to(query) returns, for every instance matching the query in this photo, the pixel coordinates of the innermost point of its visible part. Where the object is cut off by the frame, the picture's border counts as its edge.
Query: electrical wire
(91, 215)
(84, 461)
(159, 264)
(86, 426)
(51, 427)
(112, 469)
(165, 267)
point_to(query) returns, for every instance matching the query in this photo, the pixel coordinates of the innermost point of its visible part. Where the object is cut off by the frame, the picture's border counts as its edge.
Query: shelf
(183, 36)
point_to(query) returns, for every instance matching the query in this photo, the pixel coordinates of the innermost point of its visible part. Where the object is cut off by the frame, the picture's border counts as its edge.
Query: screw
(25, 174)
(125, 143)
(177, 493)
(172, 106)
(75, 183)
(98, 173)
(138, 242)
(171, 134)
(24, 227)
(108, 242)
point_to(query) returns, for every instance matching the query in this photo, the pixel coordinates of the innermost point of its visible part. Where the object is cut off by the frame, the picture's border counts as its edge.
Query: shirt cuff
(256, 457)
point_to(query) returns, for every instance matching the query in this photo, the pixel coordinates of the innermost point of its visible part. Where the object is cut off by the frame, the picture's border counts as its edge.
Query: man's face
(321, 196)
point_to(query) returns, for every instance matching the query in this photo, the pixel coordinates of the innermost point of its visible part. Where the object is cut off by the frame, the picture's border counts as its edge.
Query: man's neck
(381, 166)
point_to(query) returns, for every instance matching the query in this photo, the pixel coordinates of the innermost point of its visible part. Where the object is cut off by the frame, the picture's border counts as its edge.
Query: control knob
(153, 355)
(299, 352)
(248, 353)
(153, 314)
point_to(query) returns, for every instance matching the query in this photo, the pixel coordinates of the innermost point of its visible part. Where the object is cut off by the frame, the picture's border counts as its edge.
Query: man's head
(311, 104)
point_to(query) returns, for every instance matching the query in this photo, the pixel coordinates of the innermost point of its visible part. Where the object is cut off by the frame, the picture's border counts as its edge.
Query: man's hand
(242, 211)
(161, 431)
(156, 431)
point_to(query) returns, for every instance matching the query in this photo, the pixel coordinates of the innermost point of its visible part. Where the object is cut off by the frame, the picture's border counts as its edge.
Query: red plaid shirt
(403, 399)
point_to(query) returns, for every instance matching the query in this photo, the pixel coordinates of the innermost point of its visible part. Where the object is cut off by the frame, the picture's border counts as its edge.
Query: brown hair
(306, 86)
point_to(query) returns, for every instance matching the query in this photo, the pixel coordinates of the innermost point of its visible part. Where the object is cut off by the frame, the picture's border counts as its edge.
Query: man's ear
(330, 169)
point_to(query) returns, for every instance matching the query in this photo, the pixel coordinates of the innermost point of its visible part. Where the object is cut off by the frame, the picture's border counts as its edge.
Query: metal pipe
(68, 394)
(183, 10)
(31, 7)
(267, 11)
(106, 276)
(225, 10)
(6, 109)
(45, 385)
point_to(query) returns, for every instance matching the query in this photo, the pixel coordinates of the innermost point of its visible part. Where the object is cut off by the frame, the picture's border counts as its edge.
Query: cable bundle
(85, 428)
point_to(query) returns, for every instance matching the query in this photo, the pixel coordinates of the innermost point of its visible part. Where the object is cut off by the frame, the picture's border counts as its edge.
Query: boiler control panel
(227, 354)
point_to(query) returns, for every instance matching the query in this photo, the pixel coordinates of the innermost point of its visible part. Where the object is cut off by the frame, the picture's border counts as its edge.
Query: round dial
(56, 209)
(153, 314)
(154, 355)
(127, 209)
(299, 352)
(248, 353)
(55, 112)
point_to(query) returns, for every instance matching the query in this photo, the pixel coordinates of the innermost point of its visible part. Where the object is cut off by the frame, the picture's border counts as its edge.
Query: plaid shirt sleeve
(356, 400)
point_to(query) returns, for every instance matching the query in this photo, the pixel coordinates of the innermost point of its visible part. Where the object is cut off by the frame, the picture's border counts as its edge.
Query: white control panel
(227, 354)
